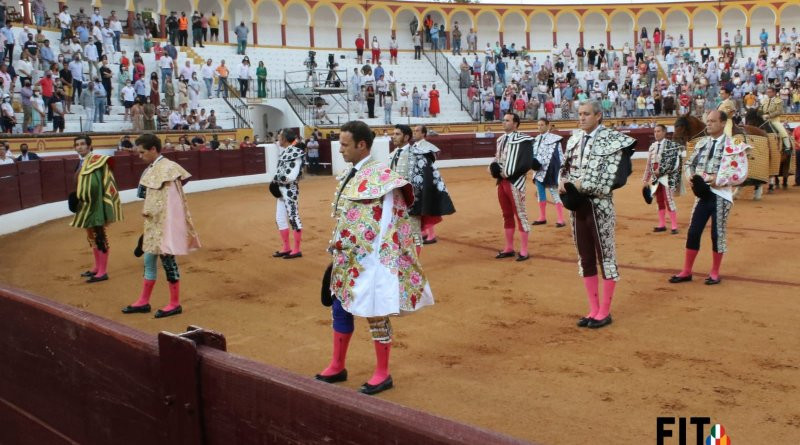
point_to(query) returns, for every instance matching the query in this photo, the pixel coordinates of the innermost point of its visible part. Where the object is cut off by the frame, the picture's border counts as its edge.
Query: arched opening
(297, 21)
(488, 30)
(120, 7)
(677, 24)
(621, 30)
(541, 32)
(150, 6)
(705, 29)
(649, 20)
(438, 20)
(733, 20)
(464, 22)
(762, 18)
(514, 31)
(403, 33)
(352, 21)
(790, 18)
(269, 23)
(594, 30)
(325, 27)
(380, 26)
(238, 11)
(568, 26)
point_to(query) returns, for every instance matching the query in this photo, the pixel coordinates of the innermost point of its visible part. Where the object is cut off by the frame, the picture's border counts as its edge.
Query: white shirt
(244, 71)
(65, 19)
(186, 72)
(207, 72)
(175, 119)
(166, 61)
(128, 93)
(115, 25)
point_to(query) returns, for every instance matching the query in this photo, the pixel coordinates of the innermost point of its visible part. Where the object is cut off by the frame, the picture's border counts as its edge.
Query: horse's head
(753, 118)
(687, 127)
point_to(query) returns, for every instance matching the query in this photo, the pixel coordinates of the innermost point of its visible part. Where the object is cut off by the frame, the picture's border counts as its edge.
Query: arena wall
(79, 378)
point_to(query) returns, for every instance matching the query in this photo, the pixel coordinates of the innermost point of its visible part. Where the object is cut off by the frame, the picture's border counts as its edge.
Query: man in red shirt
(360, 49)
(47, 84)
(549, 108)
(685, 100)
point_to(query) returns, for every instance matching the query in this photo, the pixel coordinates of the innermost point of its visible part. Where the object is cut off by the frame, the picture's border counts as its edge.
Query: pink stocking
(147, 290)
(542, 210)
(662, 218)
(716, 263)
(688, 262)
(673, 219)
(382, 363)
(608, 294)
(591, 285)
(102, 264)
(96, 253)
(523, 248)
(509, 240)
(560, 213)
(285, 238)
(298, 236)
(174, 296)
(340, 343)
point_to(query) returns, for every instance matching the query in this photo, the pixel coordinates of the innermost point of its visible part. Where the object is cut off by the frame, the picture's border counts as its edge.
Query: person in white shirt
(5, 155)
(108, 42)
(91, 56)
(187, 70)
(404, 94)
(166, 65)
(207, 73)
(424, 102)
(194, 92)
(175, 120)
(244, 77)
(66, 22)
(97, 18)
(128, 97)
(116, 27)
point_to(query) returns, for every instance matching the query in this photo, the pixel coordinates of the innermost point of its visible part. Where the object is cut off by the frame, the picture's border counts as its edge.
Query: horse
(688, 127)
(753, 117)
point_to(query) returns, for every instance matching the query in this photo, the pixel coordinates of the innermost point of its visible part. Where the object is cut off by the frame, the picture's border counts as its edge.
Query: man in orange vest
(183, 30)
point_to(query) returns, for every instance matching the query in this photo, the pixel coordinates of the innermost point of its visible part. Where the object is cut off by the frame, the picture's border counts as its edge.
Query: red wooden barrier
(54, 187)
(190, 160)
(209, 165)
(231, 163)
(9, 189)
(30, 184)
(123, 171)
(73, 377)
(255, 162)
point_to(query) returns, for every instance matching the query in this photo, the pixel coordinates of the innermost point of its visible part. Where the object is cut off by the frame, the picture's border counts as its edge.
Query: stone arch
(325, 20)
(732, 19)
(541, 27)
(594, 29)
(217, 6)
(789, 15)
(488, 28)
(298, 20)
(403, 18)
(239, 11)
(514, 25)
(621, 24)
(379, 23)
(120, 6)
(762, 17)
(677, 22)
(153, 6)
(352, 21)
(650, 19)
(567, 26)
(438, 16)
(270, 16)
(705, 28)
(465, 22)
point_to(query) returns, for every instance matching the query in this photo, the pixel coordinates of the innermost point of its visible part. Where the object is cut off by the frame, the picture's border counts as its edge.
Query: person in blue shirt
(378, 71)
(83, 34)
(9, 36)
(764, 37)
(501, 70)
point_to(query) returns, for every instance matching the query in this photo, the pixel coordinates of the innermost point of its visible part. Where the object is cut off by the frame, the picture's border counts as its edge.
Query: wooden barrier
(70, 377)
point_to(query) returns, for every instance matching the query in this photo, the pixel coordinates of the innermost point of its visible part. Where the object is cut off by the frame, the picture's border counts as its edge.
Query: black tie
(583, 148)
(344, 184)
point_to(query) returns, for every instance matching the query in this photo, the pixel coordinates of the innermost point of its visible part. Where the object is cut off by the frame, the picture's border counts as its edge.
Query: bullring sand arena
(499, 349)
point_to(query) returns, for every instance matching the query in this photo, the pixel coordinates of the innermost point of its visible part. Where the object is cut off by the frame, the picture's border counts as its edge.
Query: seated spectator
(5, 154)
(125, 144)
(246, 143)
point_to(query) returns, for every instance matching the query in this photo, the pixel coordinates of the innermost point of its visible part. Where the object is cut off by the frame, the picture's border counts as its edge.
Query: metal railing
(449, 74)
(239, 107)
(301, 105)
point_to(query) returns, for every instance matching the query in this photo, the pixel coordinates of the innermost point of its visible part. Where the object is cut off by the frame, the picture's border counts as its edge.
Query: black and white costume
(289, 172)
(547, 152)
(415, 164)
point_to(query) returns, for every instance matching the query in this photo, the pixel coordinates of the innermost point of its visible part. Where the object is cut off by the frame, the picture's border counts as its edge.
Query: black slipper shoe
(163, 314)
(95, 278)
(340, 376)
(88, 274)
(368, 389)
(279, 254)
(143, 309)
(505, 254)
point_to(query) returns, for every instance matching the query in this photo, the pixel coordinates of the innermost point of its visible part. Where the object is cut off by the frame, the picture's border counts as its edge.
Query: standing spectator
(141, 88)
(105, 79)
(204, 27)
(472, 42)
(26, 93)
(222, 78)
(39, 11)
(244, 77)
(207, 73)
(128, 96)
(116, 27)
(183, 95)
(376, 50)
(213, 25)
(764, 38)
(167, 65)
(312, 149)
(57, 105)
(456, 36)
(241, 32)
(194, 92)
(197, 30)
(183, 29)
(261, 77)
(403, 100)
(387, 109)
(370, 102)
(47, 86)
(65, 20)
(415, 102)
(417, 40)
(8, 37)
(393, 51)
(433, 95)
(424, 102)
(172, 27)
(359, 49)
(99, 101)
(9, 119)
(138, 32)
(155, 97)
(169, 93)
(86, 100)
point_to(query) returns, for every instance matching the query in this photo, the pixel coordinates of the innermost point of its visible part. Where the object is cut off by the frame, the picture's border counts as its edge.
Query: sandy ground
(500, 348)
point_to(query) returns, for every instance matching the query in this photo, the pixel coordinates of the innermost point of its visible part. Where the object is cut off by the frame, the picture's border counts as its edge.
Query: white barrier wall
(380, 152)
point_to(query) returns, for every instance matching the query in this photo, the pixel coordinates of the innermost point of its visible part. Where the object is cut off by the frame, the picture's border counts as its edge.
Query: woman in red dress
(434, 97)
(657, 39)
(155, 98)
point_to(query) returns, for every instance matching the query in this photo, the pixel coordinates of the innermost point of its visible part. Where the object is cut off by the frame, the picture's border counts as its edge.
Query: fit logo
(665, 428)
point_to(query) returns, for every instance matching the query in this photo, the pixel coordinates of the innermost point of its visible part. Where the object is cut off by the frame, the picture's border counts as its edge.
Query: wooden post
(225, 31)
(162, 25)
(691, 38)
(528, 40)
(501, 38)
(747, 31)
(608, 39)
(26, 15)
(339, 37)
(555, 38)
(366, 39)
(580, 37)
(283, 34)
(311, 36)
(255, 33)
(719, 36)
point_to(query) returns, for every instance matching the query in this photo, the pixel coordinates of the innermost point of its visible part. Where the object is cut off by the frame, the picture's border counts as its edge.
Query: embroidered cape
(515, 156)
(376, 271)
(544, 145)
(597, 170)
(669, 164)
(97, 193)
(168, 228)
(416, 164)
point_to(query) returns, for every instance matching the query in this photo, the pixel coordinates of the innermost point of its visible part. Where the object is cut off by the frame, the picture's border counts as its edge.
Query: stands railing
(239, 107)
(300, 105)
(449, 74)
